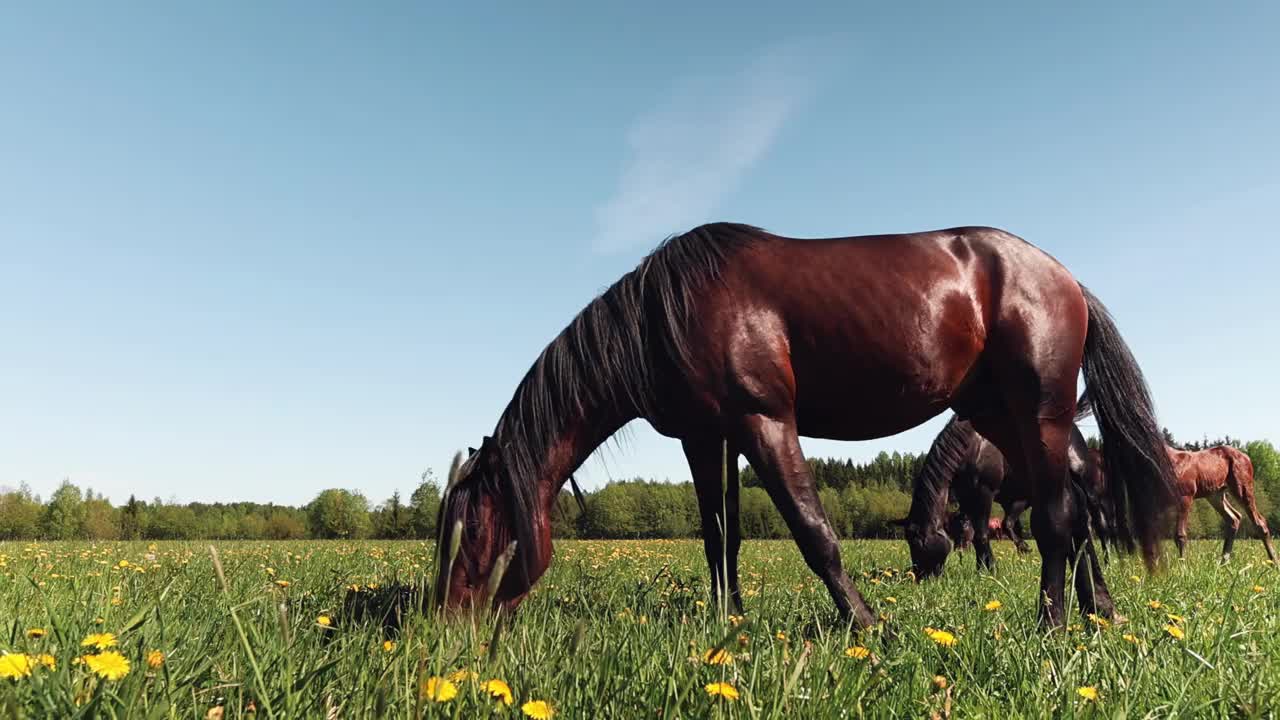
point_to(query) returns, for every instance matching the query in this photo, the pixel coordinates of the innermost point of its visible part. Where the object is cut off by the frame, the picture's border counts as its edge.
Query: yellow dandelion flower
(1177, 619)
(388, 646)
(1135, 578)
(857, 652)
(324, 621)
(14, 666)
(110, 664)
(1154, 604)
(1131, 638)
(1088, 692)
(891, 600)
(1175, 632)
(438, 689)
(45, 660)
(498, 690)
(101, 641)
(781, 636)
(1258, 588)
(722, 690)
(941, 637)
(940, 682)
(993, 606)
(155, 659)
(36, 633)
(538, 710)
(122, 564)
(282, 583)
(717, 657)
(1099, 621)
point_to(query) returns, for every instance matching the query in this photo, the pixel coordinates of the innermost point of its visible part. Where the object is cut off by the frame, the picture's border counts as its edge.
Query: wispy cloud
(686, 155)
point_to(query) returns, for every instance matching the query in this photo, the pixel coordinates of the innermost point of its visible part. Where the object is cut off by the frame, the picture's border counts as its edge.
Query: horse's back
(895, 324)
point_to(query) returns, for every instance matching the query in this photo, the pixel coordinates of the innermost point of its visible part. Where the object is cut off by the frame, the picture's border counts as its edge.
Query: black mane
(609, 358)
(950, 449)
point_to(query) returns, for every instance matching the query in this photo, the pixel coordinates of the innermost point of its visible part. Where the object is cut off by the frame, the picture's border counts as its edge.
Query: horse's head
(486, 551)
(929, 545)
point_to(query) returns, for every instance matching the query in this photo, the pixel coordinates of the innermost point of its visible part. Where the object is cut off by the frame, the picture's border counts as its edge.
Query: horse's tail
(1137, 467)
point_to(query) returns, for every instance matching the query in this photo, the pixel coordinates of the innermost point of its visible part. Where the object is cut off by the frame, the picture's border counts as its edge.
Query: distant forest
(861, 499)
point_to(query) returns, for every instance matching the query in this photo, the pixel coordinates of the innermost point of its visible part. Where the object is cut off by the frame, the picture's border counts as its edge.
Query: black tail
(1138, 469)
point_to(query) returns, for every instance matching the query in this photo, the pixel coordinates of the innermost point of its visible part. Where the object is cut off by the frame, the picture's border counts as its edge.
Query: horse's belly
(865, 408)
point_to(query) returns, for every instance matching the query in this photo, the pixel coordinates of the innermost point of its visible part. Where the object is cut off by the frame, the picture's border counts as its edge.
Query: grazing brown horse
(1213, 474)
(737, 342)
(982, 478)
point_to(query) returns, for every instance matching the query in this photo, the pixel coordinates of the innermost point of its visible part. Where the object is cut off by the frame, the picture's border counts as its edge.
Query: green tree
(424, 506)
(169, 522)
(338, 513)
(285, 524)
(64, 515)
(101, 521)
(392, 520)
(1266, 479)
(20, 513)
(131, 519)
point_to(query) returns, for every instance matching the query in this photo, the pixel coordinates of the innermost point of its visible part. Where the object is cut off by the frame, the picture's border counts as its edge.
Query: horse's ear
(471, 451)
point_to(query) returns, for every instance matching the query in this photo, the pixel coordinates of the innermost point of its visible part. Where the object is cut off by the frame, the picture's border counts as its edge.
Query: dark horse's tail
(1133, 448)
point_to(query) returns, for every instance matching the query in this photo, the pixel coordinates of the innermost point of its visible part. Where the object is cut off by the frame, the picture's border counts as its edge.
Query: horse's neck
(570, 446)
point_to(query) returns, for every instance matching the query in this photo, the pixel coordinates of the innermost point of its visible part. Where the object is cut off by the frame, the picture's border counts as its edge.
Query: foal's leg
(773, 448)
(1184, 517)
(1258, 521)
(1012, 525)
(979, 512)
(1230, 522)
(718, 507)
(1091, 588)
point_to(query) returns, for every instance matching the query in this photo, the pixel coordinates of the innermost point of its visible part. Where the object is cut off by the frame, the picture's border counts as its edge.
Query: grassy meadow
(619, 629)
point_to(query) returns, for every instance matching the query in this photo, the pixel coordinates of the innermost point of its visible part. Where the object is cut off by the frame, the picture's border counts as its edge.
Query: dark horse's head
(925, 526)
(488, 551)
(930, 545)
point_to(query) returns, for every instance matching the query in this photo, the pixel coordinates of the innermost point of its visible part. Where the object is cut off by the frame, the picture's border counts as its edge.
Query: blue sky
(252, 251)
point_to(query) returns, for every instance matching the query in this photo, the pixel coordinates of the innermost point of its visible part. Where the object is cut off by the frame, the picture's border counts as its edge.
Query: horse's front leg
(773, 448)
(710, 464)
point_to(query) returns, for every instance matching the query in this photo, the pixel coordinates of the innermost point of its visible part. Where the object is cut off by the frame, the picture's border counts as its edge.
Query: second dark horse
(982, 478)
(731, 336)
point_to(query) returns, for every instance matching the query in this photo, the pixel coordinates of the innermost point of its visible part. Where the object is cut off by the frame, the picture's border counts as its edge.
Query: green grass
(618, 629)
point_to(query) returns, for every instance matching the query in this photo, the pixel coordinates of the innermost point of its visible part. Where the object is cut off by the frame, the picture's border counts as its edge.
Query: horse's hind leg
(773, 448)
(718, 506)
(1243, 491)
(1230, 522)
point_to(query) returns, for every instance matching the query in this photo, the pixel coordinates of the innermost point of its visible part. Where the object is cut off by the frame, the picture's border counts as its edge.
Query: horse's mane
(610, 357)
(950, 449)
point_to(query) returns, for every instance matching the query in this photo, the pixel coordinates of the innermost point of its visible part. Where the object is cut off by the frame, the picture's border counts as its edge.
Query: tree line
(861, 499)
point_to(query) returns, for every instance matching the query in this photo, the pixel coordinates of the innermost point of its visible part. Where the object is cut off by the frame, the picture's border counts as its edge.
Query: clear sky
(252, 250)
